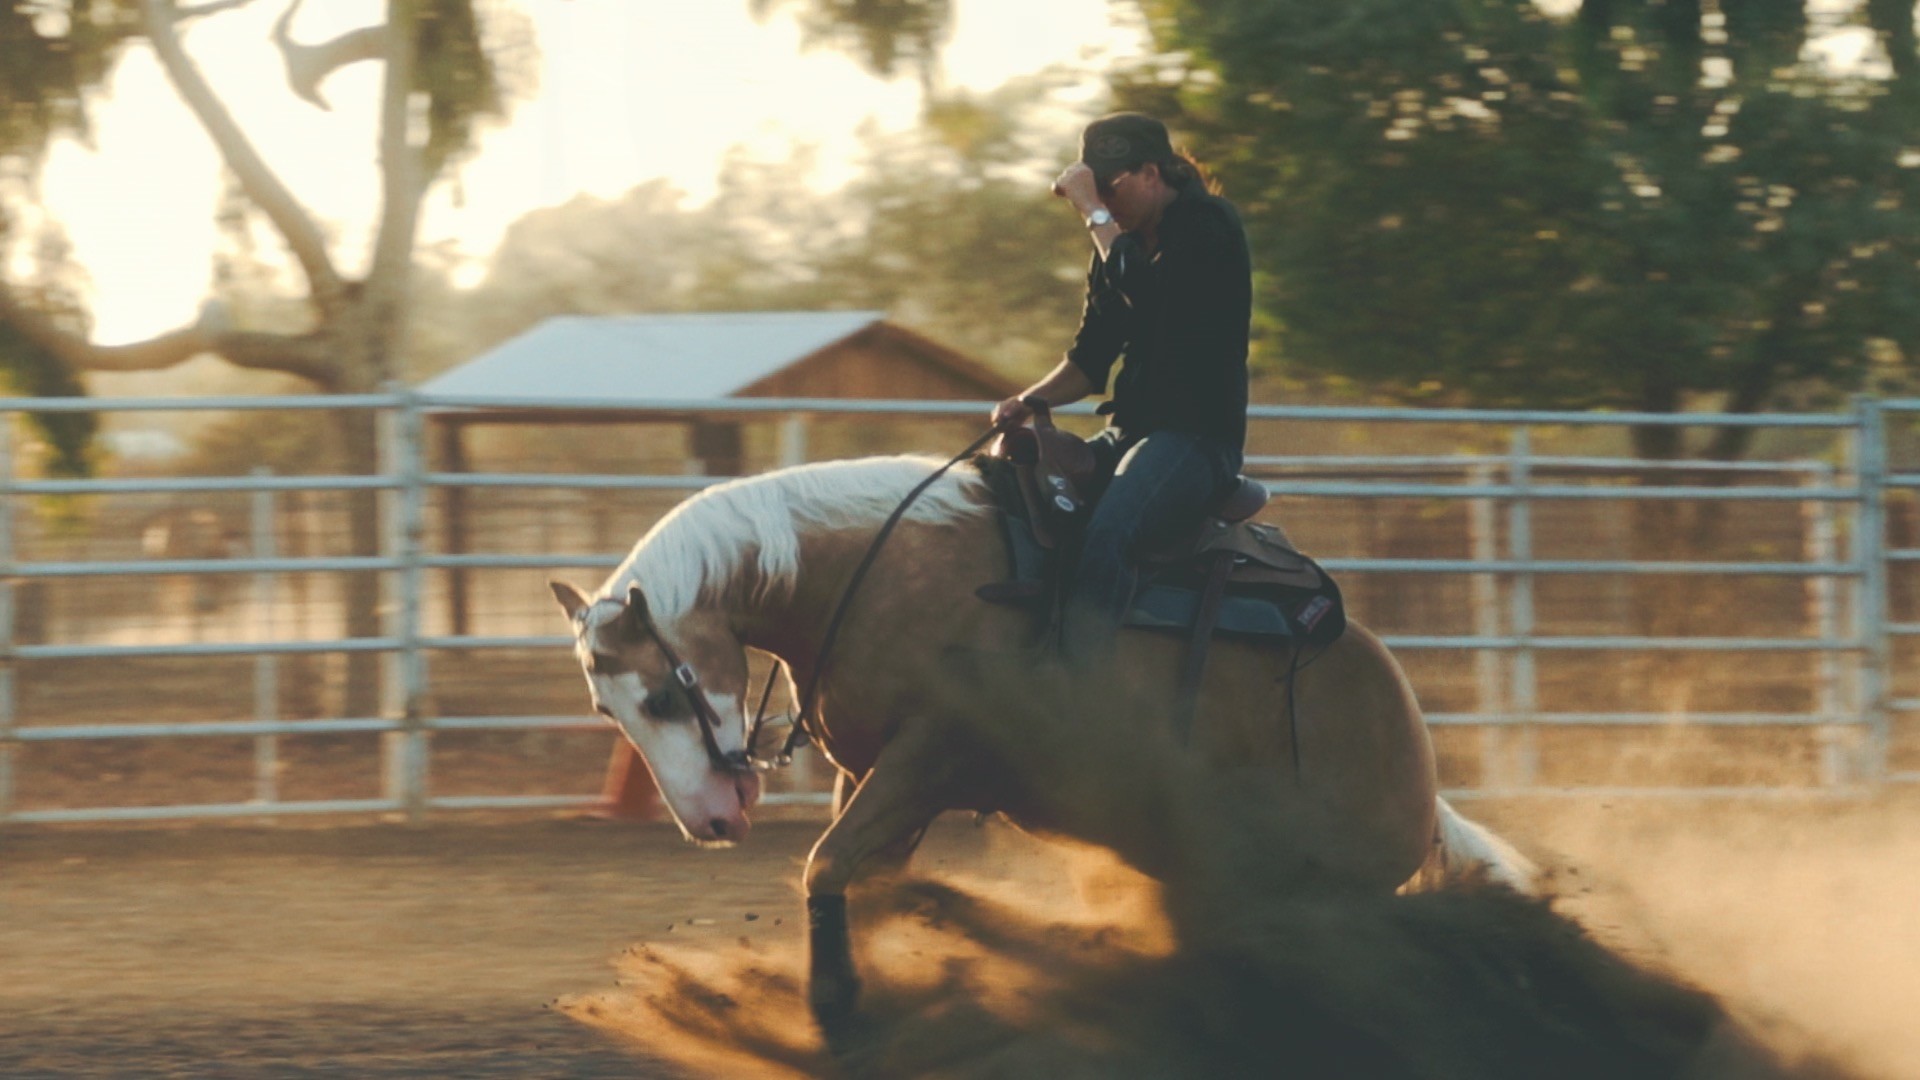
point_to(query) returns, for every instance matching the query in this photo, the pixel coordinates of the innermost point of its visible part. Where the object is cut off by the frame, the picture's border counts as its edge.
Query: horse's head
(651, 680)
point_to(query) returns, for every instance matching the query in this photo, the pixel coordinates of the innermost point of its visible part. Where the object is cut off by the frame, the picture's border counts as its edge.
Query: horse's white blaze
(707, 805)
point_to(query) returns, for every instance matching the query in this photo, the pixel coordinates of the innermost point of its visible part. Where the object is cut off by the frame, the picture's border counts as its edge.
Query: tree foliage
(948, 227)
(1644, 204)
(888, 34)
(1634, 204)
(52, 59)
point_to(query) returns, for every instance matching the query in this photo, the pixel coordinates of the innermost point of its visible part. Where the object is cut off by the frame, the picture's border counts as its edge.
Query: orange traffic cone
(629, 793)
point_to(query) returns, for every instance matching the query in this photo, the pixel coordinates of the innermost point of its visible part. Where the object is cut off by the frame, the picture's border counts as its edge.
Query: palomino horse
(762, 562)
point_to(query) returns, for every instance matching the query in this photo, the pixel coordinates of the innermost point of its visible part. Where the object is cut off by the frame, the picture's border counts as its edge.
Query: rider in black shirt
(1170, 290)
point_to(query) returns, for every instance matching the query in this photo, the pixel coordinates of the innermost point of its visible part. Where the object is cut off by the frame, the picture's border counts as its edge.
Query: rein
(804, 721)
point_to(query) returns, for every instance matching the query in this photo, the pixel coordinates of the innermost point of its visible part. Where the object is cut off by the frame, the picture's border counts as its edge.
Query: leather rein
(804, 723)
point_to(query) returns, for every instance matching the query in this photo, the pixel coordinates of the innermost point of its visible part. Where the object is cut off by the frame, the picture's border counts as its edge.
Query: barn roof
(676, 357)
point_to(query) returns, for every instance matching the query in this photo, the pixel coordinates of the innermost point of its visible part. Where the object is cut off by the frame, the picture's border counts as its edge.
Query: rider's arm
(1063, 385)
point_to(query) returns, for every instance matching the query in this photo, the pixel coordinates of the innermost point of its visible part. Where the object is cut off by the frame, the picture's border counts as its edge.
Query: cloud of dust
(1804, 916)
(1223, 969)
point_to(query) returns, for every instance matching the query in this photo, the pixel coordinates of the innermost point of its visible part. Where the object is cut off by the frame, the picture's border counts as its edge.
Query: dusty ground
(369, 951)
(381, 951)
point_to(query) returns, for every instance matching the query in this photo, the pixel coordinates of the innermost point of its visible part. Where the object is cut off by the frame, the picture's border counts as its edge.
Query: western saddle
(1230, 573)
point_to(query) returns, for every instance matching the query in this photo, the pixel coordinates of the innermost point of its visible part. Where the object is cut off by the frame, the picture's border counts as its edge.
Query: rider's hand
(1075, 184)
(1011, 412)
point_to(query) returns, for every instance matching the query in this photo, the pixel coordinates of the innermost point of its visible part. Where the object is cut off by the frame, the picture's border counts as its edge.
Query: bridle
(804, 722)
(688, 680)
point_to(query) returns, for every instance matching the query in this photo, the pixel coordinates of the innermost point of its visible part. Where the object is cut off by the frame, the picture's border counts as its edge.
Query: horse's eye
(659, 704)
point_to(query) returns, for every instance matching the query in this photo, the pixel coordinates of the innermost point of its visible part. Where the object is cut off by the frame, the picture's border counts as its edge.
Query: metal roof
(680, 357)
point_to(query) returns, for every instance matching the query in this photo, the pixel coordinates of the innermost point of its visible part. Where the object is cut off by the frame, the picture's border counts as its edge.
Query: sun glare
(629, 90)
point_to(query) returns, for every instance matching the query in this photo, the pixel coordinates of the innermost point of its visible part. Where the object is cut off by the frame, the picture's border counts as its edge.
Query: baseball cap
(1113, 144)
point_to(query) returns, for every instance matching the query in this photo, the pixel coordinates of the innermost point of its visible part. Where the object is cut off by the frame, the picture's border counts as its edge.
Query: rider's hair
(1182, 173)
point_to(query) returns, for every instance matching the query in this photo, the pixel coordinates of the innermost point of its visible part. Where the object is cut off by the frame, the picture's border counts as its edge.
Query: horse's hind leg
(900, 797)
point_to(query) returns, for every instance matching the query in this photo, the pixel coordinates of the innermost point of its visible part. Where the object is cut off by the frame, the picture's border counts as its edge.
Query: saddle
(1229, 574)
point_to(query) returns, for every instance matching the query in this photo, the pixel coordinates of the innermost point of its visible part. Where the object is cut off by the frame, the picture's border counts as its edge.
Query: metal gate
(1496, 478)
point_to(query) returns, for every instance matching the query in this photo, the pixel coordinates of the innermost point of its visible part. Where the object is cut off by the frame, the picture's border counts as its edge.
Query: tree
(437, 67)
(947, 227)
(42, 94)
(959, 235)
(1645, 204)
(889, 34)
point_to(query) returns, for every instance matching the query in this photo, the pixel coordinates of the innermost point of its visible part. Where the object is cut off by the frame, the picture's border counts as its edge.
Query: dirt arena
(363, 951)
(375, 950)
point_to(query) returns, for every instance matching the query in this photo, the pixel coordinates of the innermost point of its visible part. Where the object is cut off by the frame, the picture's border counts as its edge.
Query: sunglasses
(1105, 185)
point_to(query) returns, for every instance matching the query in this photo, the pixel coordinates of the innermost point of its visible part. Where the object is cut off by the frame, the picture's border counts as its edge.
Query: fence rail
(1844, 569)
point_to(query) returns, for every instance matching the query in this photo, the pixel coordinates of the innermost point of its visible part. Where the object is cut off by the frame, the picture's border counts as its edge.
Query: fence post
(793, 440)
(1823, 609)
(793, 451)
(1522, 691)
(1870, 603)
(8, 746)
(406, 750)
(1483, 532)
(266, 666)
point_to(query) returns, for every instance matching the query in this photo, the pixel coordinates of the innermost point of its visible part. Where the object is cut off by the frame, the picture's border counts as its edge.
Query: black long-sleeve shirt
(1180, 316)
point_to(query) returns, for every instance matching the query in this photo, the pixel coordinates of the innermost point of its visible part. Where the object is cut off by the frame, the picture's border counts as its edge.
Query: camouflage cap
(1113, 144)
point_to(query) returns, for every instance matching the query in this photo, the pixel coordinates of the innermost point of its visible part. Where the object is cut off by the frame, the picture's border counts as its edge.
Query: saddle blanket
(1272, 591)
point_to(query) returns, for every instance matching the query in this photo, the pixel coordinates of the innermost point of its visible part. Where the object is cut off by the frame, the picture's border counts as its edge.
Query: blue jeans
(1163, 484)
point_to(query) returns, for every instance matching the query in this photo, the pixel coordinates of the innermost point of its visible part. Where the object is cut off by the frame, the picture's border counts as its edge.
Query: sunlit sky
(630, 90)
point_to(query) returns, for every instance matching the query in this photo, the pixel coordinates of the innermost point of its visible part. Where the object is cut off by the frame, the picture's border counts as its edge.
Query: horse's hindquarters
(1365, 770)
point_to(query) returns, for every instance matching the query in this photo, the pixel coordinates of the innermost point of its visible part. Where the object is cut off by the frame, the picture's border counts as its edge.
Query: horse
(762, 562)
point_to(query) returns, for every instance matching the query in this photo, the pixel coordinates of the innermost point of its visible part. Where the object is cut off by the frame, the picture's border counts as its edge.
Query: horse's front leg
(910, 784)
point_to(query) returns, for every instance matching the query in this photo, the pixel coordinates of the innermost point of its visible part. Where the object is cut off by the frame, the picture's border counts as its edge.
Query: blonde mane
(705, 544)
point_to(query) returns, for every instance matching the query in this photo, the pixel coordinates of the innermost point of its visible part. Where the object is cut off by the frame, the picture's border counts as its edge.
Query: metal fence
(1836, 480)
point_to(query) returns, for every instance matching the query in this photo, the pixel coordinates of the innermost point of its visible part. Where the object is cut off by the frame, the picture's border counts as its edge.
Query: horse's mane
(703, 545)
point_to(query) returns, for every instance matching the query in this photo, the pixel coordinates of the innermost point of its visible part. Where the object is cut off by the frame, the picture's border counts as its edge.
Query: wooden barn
(642, 365)
(649, 373)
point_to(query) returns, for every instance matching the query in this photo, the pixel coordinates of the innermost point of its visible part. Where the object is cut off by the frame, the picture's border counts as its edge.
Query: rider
(1170, 286)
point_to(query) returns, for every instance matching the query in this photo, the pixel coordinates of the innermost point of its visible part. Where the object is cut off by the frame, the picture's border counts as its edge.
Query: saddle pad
(1277, 593)
(1309, 615)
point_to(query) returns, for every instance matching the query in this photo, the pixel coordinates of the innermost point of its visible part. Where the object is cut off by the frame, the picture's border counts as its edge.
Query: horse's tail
(1464, 849)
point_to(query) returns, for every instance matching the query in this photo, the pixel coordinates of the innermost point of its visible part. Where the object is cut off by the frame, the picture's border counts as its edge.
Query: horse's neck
(791, 619)
(792, 622)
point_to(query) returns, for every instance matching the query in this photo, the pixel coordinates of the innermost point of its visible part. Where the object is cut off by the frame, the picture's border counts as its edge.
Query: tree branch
(299, 356)
(213, 7)
(305, 357)
(259, 181)
(403, 174)
(309, 65)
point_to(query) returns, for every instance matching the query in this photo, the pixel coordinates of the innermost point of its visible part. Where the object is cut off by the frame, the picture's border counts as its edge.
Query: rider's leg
(1164, 484)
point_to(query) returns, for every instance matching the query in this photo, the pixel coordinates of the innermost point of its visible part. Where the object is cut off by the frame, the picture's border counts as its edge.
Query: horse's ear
(637, 611)
(572, 600)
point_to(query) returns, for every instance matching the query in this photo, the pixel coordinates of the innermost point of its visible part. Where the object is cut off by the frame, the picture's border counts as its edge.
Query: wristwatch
(1100, 216)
